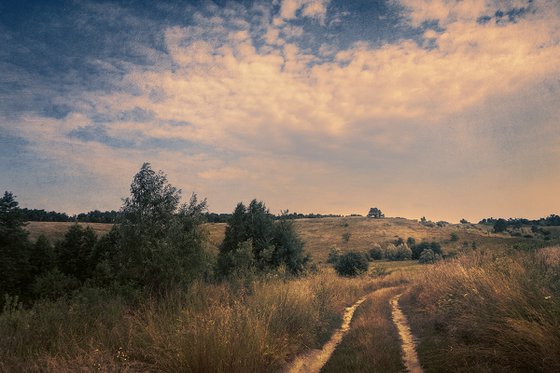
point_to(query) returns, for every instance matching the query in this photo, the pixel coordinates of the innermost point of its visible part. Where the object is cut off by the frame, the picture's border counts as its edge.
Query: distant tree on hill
(464, 221)
(374, 212)
(500, 225)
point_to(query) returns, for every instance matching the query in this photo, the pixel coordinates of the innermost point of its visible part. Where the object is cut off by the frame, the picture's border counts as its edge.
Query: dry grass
(246, 325)
(322, 234)
(55, 230)
(489, 313)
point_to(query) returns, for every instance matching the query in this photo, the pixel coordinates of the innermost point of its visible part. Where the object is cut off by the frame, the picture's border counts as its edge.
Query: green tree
(273, 242)
(160, 243)
(15, 269)
(351, 264)
(42, 257)
(288, 248)
(500, 225)
(75, 252)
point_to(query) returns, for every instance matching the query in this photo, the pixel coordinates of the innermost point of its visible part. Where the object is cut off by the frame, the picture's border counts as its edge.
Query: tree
(160, 244)
(273, 242)
(15, 269)
(374, 212)
(288, 248)
(351, 264)
(42, 257)
(424, 245)
(500, 225)
(74, 252)
(427, 256)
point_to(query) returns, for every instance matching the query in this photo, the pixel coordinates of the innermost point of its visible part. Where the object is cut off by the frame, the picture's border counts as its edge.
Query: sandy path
(410, 358)
(314, 360)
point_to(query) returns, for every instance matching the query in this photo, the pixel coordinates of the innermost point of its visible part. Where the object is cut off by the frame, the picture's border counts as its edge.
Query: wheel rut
(408, 347)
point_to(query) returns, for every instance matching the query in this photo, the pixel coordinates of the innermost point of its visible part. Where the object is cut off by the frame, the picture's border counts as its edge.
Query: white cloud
(316, 9)
(283, 121)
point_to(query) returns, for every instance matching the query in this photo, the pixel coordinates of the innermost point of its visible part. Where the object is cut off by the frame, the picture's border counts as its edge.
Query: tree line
(551, 220)
(158, 244)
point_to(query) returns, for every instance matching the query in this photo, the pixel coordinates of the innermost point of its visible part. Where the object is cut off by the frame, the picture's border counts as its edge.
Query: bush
(411, 241)
(427, 257)
(346, 236)
(389, 251)
(400, 252)
(454, 237)
(376, 253)
(351, 264)
(419, 248)
(334, 255)
(54, 284)
(403, 252)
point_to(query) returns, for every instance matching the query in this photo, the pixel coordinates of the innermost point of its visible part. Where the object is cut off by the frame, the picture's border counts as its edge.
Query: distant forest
(112, 216)
(551, 220)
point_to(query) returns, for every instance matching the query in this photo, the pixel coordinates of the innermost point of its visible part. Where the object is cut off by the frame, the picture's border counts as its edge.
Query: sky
(440, 108)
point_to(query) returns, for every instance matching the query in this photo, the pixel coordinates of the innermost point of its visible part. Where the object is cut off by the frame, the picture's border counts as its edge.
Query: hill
(321, 234)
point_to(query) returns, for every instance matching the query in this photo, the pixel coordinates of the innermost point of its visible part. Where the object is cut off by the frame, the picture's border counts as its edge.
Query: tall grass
(489, 313)
(245, 325)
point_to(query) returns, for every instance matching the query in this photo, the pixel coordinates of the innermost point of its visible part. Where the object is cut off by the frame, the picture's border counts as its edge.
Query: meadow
(492, 304)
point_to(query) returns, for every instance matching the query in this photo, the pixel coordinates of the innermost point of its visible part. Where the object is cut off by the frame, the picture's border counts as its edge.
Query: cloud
(239, 105)
(316, 9)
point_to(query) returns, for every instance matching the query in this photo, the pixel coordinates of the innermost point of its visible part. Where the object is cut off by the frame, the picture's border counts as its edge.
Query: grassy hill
(321, 234)
(55, 230)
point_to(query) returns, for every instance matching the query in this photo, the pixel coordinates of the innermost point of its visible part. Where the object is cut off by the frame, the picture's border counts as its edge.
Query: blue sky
(446, 109)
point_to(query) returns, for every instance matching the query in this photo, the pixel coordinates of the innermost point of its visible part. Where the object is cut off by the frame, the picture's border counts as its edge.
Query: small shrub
(403, 252)
(454, 237)
(376, 253)
(389, 251)
(410, 241)
(54, 284)
(334, 255)
(428, 256)
(351, 264)
(346, 236)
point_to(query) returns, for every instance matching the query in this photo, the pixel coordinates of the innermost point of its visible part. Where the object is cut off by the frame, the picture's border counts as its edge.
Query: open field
(320, 235)
(55, 230)
(458, 310)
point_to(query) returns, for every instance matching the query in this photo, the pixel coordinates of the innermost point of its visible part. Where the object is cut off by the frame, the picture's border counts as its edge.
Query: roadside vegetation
(489, 312)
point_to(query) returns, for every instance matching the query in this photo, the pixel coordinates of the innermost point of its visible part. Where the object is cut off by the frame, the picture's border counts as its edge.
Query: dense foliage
(157, 245)
(272, 243)
(351, 264)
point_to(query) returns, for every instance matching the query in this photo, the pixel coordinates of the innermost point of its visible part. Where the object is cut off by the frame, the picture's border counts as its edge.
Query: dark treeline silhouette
(213, 217)
(97, 216)
(112, 216)
(42, 215)
(94, 216)
(551, 220)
